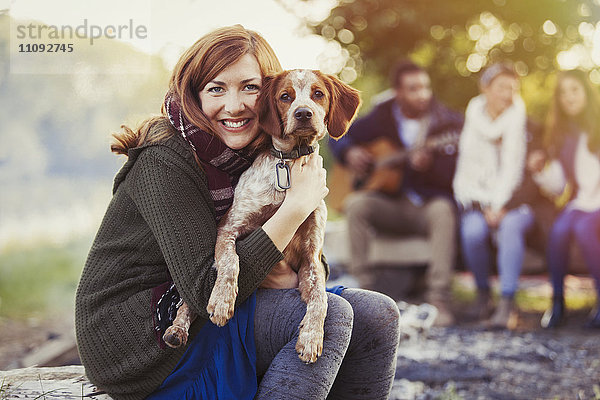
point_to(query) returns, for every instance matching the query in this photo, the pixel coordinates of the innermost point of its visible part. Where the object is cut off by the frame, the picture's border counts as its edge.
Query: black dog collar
(283, 177)
(297, 152)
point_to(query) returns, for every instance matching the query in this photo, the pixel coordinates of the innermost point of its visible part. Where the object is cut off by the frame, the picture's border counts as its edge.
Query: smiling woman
(573, 139)
(156, 247)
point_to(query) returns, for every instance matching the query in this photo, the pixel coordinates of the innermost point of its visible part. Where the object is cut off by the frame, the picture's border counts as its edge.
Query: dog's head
(304, 105)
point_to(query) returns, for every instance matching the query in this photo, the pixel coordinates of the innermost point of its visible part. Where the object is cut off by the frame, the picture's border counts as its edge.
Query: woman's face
(229, 99)
(499, 93)
(571, 96)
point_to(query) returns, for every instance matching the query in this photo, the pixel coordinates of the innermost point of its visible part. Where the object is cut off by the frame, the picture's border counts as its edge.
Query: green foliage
(454, 40)
(34, 281)
(596, 389)
(531, 300)
(450, 393)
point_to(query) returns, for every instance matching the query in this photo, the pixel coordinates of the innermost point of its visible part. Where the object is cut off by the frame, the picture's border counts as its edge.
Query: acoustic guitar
(386, 173)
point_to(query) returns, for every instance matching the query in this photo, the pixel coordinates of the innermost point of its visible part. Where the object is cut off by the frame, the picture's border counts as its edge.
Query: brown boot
(445, 317)
(482, 308)
(504, 316)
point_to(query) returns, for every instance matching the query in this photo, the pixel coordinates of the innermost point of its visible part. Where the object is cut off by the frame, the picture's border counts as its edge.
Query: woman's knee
(562, 227)
(374, 311)
(474, 228)
(339, 313)
(515, 225)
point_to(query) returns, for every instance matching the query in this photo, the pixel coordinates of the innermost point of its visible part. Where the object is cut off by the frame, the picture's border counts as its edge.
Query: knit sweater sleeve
(176, 205)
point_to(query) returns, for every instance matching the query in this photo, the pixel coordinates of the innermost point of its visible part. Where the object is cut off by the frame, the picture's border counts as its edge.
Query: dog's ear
(343, 106)
(268, 114)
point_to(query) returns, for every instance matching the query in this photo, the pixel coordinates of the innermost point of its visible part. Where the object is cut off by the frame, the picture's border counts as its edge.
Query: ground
(462, 362)
(21, 337)
(525, 363)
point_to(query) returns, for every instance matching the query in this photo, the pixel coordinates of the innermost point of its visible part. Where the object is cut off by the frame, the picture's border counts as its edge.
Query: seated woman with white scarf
(490, 168)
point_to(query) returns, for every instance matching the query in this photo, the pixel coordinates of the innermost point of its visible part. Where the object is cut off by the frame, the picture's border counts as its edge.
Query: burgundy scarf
(223, 165)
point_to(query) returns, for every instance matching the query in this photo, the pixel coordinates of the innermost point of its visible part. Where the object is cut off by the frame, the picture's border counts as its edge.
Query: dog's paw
(310, 344)
(175, 336)
(222, 301)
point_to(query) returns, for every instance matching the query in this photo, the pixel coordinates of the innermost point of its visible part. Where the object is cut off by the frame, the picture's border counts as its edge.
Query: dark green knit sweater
(161, 219)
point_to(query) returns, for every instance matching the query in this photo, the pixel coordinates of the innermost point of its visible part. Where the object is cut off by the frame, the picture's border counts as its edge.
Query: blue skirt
(220, 363)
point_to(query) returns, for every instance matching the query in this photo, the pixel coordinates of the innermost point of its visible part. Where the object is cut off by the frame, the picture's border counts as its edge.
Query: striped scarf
(222, 165)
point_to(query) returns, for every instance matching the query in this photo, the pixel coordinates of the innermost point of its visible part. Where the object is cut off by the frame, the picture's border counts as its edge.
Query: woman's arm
(307, 191)
(176, 206)
(552, 178)
(174, 202)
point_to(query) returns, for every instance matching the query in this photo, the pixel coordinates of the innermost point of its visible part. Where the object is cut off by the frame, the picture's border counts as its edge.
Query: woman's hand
(536, 161)
(493, 218)
(282, 276)
(302, 198)
(309, 185)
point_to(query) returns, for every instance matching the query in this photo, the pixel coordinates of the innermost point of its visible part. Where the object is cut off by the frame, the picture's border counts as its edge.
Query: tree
(455, 39)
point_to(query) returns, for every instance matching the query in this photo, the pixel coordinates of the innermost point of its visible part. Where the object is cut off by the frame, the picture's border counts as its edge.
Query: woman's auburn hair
(197, 66)
(559, 124)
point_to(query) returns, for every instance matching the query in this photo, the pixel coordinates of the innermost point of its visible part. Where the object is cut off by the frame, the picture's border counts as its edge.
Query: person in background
(541, 202)
(422, 202)
(573, 147)
(491, 162)
(156, 247)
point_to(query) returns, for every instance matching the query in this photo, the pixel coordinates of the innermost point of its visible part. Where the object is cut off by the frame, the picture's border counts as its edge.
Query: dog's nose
(303, 114)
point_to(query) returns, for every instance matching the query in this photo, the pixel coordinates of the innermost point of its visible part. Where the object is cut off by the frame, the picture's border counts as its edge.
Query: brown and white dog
(296, 108)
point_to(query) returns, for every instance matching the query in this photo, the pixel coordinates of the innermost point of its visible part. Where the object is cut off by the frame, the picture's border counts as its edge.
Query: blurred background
(57, 113)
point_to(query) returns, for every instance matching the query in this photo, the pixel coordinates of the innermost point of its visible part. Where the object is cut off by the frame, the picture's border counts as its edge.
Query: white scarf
(491, 154)
(493, 129)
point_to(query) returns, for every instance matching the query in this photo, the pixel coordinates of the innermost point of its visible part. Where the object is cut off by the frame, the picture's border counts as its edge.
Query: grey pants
(359, 348)
(372, 213)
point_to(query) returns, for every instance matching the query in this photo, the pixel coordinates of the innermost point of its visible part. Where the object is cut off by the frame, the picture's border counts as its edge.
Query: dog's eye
(285, 97)
(318, 94)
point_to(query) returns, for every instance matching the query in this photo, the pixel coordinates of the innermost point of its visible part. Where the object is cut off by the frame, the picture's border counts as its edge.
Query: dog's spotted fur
(295, 107)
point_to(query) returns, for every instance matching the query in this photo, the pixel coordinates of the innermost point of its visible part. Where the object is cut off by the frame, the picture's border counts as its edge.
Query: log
(49, 383)
(54, 353)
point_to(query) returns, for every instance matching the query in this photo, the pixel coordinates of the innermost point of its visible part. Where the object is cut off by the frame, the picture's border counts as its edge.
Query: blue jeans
(584, 227)
(476, 245)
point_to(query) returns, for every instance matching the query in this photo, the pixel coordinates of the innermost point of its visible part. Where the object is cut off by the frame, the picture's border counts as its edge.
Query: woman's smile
(235, 125)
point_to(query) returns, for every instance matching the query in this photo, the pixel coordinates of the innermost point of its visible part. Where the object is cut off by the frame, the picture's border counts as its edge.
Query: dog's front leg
(311, 276)
(239, 220)
(177, 334)
(221, 304)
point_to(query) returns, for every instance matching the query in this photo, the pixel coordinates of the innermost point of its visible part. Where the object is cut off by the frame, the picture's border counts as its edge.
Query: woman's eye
(285, 97)
(252, 87)
(318, 94)
(215, 89)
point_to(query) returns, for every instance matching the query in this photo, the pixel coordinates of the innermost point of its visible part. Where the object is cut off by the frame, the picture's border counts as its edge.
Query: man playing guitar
(406, 189)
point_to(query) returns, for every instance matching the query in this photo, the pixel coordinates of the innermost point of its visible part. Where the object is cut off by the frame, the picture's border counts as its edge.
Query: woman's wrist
(295, 209)
(282, 226)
